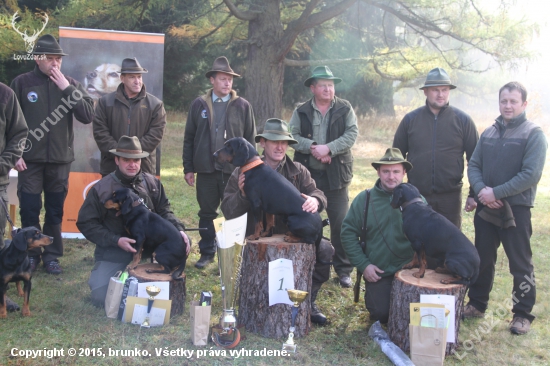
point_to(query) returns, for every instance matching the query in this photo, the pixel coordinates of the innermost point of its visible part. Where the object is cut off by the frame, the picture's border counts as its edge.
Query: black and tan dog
(433, 235)
(269, 191)
(151, 232)
(15, 266)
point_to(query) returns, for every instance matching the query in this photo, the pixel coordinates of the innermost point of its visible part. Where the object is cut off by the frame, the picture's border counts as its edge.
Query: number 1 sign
(281, 278)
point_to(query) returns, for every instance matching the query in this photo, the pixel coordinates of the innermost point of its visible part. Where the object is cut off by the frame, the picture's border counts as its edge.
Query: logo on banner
(28, 39)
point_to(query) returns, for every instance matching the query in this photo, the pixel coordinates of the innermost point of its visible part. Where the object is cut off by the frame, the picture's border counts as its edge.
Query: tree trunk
(407, 289)
(265, 64)
(177, 287)
(254, 310)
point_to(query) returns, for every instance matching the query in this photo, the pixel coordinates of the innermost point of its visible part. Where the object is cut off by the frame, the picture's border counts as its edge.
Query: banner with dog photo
(94, 58)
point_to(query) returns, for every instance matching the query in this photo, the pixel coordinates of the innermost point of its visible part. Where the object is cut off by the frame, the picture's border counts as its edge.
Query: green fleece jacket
(13, 131)
(384, 228)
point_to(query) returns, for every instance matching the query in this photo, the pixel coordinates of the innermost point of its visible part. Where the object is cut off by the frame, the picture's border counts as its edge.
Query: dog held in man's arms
(270, 192)
(151, 232)
(433, 235)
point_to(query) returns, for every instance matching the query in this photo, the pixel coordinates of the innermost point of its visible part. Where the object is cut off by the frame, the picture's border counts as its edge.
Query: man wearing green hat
(275, 140)
(434, 138)
(387, 248)
(50, 102)
(326, 129)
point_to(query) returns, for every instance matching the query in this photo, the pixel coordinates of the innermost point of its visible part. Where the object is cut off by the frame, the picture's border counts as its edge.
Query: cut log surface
(177, 287)
(406, 289)
(254, 310)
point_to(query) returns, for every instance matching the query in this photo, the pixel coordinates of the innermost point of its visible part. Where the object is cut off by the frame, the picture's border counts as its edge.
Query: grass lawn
(63, 317)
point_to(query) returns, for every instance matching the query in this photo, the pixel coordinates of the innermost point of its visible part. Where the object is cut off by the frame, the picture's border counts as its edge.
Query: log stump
(406, 289)
(178, 291)
(254, 310)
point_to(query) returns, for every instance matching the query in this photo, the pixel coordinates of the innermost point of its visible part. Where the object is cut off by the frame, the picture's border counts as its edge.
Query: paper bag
(200, 323)
(114, 293)
(427, 345)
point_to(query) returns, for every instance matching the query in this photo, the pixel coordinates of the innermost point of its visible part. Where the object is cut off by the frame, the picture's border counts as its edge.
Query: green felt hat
(438, 77)
(393, 156)
(276, 130)
(322, 72)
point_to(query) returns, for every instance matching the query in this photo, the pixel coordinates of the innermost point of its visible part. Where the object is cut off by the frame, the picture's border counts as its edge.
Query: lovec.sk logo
(29, 40)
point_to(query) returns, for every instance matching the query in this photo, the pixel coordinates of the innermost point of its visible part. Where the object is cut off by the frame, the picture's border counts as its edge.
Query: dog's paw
(253, 237)
(418, 275)
(292, 239)
(26, 313)
(266, 234)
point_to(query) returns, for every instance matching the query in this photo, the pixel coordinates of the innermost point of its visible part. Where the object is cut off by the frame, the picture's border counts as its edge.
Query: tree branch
(308, 20)
(303, 63)
(239, 14)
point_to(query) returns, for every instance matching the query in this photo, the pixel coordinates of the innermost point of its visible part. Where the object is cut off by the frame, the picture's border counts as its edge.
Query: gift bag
(427, 345)
(114, 293)
(200, 323)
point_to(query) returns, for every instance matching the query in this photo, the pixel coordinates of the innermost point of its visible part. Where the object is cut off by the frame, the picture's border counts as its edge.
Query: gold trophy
(230, 257)
(152, 291)
(297, 297)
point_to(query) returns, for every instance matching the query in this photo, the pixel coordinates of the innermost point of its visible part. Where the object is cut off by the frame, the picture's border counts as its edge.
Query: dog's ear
(396, 196)
(126, 207)
(240, 151)
(20, 241)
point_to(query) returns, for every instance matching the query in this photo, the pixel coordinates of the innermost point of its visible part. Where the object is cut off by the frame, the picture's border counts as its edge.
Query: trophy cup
(297, 297)
(229, 262)
(152, 291)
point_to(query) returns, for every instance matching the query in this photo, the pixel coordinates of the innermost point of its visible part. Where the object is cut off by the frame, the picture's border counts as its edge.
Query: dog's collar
(414, 200)
(251, 165)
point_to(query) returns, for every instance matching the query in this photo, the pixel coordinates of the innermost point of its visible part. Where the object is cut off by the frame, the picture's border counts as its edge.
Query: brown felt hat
(132, 66)
(221, 64)
(129, 147)
(392, 156)
(47, 45)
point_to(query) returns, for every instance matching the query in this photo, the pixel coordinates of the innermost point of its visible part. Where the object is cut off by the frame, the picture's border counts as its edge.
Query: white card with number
(281, 278)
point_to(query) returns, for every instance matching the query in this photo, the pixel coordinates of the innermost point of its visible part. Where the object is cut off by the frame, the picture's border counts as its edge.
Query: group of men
(504, 168)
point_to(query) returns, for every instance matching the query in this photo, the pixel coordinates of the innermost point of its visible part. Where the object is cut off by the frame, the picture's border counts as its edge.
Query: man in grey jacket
(504, 171)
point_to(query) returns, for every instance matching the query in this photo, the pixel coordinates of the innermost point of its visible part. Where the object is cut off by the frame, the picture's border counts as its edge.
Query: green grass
(63, 317)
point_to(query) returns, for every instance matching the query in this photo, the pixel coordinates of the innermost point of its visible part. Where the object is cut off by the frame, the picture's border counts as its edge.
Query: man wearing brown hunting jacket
(129, 111)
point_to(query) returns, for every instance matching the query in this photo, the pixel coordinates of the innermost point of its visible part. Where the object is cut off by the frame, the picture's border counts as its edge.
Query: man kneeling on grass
(105, 229)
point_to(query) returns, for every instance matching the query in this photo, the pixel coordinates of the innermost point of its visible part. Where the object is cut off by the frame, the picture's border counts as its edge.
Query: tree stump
(407, 289)
(254, 310)
(177, 287)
